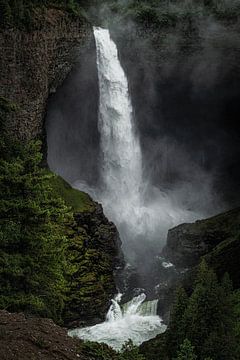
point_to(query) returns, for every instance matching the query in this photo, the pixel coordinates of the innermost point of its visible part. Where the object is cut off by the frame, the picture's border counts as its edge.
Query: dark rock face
(95, 253)
(33, 64)
(187, 243)
(34, 338)
(216, 239)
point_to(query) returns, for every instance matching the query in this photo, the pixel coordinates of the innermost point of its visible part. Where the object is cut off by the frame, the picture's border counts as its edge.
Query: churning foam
(137, 320)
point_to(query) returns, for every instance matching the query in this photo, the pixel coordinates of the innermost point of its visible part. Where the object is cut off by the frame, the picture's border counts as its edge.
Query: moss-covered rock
(216, 239)
(79, 201)
(93, 256)
(187, 243)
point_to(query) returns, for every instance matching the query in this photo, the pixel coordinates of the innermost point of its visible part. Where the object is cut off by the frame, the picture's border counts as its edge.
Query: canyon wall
(33, 64)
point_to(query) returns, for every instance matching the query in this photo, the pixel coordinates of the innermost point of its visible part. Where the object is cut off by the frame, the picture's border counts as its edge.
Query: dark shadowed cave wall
(71, 122)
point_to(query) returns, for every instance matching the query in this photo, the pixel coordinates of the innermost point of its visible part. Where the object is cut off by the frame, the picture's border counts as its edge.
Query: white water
(143, 214)
(136, 320)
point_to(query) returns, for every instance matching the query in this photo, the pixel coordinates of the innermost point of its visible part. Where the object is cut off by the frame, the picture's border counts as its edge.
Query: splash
(137, 320)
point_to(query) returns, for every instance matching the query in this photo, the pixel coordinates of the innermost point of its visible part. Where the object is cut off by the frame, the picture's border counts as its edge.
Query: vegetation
(52, 243)
(168, 13)
(49, 264)
(25, 14)
(77, 200)
(32, 240)
(208, 319)
(186, 351)
(204, 325)
(97, 351)
(151, 13)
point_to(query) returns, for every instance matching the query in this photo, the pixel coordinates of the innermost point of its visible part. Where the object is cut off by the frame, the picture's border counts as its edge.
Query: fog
(185, 95)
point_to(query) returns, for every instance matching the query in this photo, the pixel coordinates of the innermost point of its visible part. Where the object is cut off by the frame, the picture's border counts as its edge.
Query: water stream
(142, 214)
(137, 320)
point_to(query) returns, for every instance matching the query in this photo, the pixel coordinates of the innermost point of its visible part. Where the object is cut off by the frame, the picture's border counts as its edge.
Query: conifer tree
(186, 351)
(176, 332)
(32, 241)
(208, 317)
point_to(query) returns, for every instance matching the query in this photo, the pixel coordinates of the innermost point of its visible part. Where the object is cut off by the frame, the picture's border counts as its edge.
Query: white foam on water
(137, 320)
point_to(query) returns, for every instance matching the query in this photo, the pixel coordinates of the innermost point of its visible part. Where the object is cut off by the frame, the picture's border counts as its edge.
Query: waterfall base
(137, 320)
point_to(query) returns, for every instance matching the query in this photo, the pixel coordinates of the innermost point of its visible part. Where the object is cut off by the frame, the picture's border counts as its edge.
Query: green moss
(77, 200)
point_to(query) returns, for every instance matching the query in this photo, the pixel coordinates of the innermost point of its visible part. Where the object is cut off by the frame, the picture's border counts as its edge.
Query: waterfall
(143, 214)
(122, 159)
(140, 306)
(121, 168)
(136, 320)
(140, 218)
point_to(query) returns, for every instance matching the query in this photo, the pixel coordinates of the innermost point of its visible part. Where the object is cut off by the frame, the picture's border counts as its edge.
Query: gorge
(123, 220)
(143, 213)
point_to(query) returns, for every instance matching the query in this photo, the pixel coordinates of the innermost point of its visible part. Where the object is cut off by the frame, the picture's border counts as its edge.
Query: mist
(184, 90)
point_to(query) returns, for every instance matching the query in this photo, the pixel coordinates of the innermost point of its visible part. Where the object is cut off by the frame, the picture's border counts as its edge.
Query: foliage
(90, 269)
(52, 262)
(186, 351)
(150, 13)
(130, 352)
(209, 316)
(77, 200)
(169, 13)
(32, 241)
(176, 333)
(25, 14)
(207, 321)
(96, 351)
(155, 349)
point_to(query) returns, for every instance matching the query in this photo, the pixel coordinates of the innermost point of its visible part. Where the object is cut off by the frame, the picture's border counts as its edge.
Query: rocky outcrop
(95, 252)
(33, 64)
(216, 239)
(34, 338)
(30, 338)
(187, 243)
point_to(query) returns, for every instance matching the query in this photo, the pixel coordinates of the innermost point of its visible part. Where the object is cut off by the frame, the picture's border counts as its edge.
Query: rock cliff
(216, 239)
(187, 243)
(33, 64)
(93, 254)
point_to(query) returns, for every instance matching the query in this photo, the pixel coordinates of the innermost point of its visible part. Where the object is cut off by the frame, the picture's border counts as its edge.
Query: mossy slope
(93, 254)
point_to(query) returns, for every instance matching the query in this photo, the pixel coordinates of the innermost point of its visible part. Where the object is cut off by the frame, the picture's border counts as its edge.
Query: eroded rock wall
(33, 64)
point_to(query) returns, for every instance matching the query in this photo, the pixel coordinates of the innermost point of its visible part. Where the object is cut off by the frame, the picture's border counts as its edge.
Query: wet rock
(187, 243)
(95, 252)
